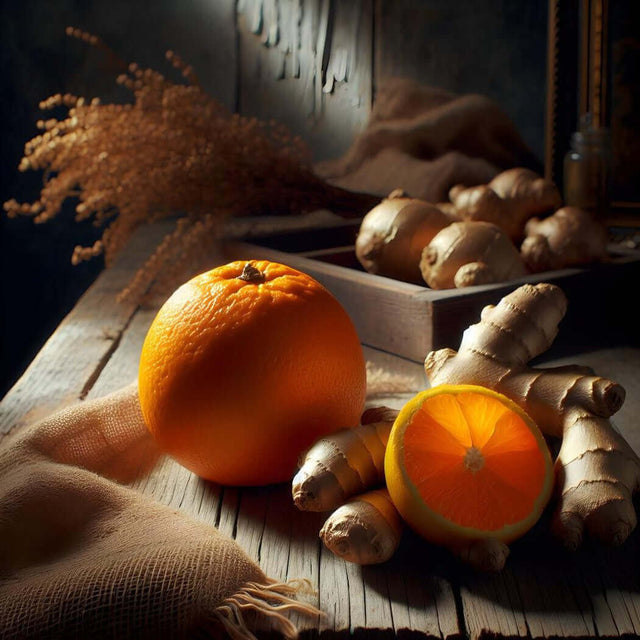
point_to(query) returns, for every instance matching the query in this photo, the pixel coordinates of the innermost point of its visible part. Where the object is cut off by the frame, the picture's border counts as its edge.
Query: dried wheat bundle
(173, 151)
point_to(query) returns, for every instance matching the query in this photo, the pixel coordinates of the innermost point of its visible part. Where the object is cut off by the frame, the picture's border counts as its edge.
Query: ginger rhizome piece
(597, 472)
(508, 201)
(392, 235)
(344, 464)
(365, 530)
(470, 253)
(569, 237)
(344, 473)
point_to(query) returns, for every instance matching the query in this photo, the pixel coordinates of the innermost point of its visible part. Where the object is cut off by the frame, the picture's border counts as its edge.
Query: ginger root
(392, 235)
(596, 470)
(508, 201)
(365, 530)
(344, 464)
(569, 237)
(470, 253)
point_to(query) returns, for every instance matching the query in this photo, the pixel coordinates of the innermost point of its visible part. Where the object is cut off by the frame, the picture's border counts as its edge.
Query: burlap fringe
(272, 601)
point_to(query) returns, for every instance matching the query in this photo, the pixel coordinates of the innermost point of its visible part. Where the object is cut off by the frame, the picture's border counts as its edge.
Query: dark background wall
(497, 47)
(38, 283)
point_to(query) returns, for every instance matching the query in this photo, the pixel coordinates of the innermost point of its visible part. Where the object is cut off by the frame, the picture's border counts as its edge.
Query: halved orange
(464, 462)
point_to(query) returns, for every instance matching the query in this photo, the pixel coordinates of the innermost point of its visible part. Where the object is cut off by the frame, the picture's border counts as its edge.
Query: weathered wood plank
(337, 593)
(430, 604)
(229, 509)
(378, 610)
(251, 522)
(602, 612)
(122, 365)
(619, 587)
(291, 548)
(419, 584)
(491, 607)
(553, 593)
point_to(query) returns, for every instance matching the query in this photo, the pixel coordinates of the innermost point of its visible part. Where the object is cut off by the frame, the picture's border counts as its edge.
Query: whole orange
(244, 367)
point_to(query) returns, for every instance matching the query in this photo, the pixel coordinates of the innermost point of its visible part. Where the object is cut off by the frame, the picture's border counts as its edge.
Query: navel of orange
(464, 462)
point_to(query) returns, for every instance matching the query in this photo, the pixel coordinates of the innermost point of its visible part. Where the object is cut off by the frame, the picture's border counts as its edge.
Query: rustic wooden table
(544, 592)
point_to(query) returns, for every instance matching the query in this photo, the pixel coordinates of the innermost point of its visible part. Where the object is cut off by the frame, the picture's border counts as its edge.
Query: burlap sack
(82, 555)
(425, 140)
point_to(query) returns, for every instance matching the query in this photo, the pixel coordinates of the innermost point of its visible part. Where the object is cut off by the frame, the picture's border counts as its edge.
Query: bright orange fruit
(247, 365)
(464, 462)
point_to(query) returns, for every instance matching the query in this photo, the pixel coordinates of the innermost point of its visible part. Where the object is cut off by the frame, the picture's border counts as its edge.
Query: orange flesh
(473, 461)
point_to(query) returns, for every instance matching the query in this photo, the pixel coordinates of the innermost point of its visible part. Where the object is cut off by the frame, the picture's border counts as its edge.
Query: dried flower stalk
(173, 151)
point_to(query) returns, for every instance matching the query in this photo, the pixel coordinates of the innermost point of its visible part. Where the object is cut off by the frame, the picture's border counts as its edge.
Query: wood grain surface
(422, 592)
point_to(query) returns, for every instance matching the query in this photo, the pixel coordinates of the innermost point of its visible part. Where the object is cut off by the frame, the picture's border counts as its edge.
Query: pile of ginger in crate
(513, 226)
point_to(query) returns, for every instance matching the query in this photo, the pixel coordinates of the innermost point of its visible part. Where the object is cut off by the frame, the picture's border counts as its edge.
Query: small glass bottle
(586, 169)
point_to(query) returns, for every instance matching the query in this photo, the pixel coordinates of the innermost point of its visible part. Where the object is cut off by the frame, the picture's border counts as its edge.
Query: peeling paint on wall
(313, 40)
(342, 59)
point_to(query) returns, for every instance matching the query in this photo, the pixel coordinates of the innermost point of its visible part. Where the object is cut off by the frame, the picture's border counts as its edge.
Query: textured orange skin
(238, 378)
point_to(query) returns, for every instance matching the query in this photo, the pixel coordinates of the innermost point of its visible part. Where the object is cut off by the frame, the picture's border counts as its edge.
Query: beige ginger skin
(365, 530)
(470, 253)
(344, 464)
(337, 475)
(509, 200)
(569, 237)
(392, 235)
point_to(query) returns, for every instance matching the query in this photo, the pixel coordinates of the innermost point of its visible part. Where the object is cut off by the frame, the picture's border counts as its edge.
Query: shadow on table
(544, 590)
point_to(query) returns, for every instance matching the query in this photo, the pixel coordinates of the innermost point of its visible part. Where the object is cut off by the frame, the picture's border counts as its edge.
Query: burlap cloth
(84, 556)
(426, 140)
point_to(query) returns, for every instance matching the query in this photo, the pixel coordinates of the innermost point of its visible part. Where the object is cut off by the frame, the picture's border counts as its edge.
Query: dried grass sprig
(173, 151)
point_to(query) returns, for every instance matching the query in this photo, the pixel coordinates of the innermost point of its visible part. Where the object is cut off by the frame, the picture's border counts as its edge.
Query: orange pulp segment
(464, 462)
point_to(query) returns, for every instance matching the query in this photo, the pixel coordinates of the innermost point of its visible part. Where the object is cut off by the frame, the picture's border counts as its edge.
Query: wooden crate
(410, 320)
